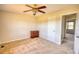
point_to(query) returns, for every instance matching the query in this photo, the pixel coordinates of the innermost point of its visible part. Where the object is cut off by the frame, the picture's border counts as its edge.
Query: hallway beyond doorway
(69, 41)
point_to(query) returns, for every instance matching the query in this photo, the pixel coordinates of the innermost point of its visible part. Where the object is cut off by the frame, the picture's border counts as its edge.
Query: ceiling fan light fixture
(34, 13)
(35, 9)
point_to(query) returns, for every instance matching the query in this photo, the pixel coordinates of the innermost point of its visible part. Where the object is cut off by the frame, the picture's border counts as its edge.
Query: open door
(68, 30)
(76, 43)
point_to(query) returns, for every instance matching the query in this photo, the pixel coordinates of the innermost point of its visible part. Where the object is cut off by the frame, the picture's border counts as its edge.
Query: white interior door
(51, 31)
(76, 42)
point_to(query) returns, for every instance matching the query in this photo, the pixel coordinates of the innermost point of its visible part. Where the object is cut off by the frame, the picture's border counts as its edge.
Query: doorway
(68, 30)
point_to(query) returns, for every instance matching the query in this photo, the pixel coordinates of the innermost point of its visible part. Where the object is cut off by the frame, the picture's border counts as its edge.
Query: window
(70, 25)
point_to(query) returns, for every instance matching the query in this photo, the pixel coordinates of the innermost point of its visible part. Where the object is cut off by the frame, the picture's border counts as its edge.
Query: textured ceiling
(19, 8)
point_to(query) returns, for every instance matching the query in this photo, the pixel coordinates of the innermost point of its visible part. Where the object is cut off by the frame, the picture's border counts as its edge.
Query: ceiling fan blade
(29, 6)
(28, 10)
(41, 11)
(41, 7)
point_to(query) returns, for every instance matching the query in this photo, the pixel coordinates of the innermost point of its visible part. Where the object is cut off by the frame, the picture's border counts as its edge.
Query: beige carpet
(34, 46)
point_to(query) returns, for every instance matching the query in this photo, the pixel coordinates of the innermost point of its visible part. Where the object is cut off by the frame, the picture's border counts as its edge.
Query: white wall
(15, 26)
(42, 26)
(76, 43)
(43, 30)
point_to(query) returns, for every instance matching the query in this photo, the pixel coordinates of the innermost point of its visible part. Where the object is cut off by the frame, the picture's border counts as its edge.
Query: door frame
(61, 17)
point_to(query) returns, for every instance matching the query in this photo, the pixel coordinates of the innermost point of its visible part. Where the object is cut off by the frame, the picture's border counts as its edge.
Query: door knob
(77, 36)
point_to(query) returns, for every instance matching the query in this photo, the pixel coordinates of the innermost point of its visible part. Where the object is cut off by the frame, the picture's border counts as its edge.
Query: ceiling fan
(35, 9)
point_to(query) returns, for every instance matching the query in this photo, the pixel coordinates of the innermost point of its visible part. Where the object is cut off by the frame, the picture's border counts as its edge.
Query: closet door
(51, 31)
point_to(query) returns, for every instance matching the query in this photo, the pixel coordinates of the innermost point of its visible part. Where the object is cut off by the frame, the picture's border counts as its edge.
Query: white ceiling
(19, 8)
